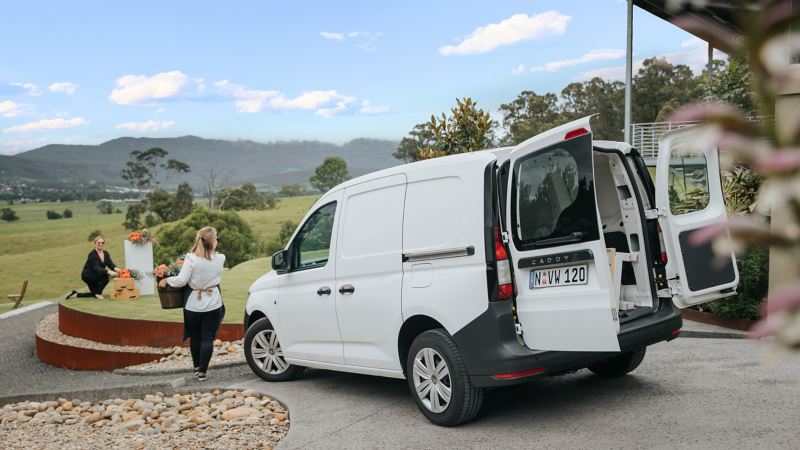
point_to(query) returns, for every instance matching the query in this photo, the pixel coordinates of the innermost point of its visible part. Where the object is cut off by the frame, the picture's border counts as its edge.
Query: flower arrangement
(131, 273)
(168, 270)
(142, 237)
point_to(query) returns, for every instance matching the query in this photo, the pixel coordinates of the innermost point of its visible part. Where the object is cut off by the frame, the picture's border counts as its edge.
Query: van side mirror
(280, 261)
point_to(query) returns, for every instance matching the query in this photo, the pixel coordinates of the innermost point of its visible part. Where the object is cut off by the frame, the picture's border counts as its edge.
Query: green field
(50, 253)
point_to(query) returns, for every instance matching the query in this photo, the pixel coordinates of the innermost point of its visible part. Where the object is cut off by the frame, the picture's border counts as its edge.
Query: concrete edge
(24, 309)
(139, 373)
(93, 395)
(712, 335)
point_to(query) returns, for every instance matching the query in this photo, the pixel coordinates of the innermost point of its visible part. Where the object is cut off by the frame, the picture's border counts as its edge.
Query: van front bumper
(494, 357)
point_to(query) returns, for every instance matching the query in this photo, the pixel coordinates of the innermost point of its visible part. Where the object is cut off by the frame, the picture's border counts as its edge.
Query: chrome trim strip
(439, 254)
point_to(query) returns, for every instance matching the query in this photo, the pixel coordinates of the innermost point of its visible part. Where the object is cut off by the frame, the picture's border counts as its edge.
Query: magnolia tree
(770, 146)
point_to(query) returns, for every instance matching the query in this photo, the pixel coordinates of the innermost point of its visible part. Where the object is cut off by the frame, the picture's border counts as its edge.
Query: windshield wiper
(574, 237)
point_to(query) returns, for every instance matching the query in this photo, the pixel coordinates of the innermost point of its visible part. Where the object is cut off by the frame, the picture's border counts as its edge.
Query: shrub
(94, 234)
(753, 285)
(67, 213)
(236, 239)
(279, 242)
(105, 207)
(8, 215)
(53, 215)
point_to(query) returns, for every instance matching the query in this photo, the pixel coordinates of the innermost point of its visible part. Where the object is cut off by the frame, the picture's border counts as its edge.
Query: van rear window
(553, 196)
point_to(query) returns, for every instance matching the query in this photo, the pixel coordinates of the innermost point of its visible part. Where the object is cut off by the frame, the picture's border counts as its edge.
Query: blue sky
(86, 72)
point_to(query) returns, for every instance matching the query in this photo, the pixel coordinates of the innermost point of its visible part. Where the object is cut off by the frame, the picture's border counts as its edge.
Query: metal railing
(645, 136)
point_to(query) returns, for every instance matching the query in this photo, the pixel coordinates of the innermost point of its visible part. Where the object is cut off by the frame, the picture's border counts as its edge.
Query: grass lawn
(50, 253)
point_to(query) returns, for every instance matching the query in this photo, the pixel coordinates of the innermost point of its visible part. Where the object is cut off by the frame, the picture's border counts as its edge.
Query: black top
(94, 267)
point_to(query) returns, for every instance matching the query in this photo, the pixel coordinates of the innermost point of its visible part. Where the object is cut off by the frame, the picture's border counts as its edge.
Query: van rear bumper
(489, 346)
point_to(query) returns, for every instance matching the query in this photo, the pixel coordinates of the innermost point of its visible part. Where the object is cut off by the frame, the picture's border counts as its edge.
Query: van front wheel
(438, 380)
(619, 365)
(264, 354)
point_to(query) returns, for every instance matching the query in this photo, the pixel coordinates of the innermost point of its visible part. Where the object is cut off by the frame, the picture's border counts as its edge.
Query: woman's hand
(162, 283)
(111, 273)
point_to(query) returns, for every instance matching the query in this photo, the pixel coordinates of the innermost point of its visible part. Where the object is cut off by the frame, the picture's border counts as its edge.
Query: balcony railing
(645, 136)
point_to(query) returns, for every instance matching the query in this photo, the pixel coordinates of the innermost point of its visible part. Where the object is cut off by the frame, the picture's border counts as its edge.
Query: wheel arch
(254, 316)
(413, 327)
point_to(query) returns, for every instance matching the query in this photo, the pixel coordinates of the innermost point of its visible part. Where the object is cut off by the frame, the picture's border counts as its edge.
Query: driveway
(690, 393)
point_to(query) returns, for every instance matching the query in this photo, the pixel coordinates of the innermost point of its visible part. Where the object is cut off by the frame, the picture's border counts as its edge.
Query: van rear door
(689, 197)
(564, 297)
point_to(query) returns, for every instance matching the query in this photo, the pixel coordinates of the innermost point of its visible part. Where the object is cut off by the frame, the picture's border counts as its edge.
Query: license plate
(561, 276)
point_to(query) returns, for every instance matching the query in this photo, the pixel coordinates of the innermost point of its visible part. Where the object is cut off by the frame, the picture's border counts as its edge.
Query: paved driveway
(690, 393)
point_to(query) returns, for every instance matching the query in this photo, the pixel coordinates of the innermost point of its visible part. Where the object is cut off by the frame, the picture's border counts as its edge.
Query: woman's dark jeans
(96, 285)
(201, 328)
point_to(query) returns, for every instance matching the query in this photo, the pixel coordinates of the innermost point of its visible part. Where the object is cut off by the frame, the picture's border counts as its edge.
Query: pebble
(181, 358)
(218, 419)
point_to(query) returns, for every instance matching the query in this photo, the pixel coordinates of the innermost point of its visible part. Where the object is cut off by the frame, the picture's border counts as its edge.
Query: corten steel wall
(116, 331)
(76, 358)
(711, 319)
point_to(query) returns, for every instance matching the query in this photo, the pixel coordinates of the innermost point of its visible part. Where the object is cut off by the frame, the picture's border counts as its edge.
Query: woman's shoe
(71, 294)
(99, 296)
(201, 376)
(196, 371)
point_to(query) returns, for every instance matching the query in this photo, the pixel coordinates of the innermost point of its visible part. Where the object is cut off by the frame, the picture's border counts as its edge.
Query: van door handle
(347, 289)
(324, 290)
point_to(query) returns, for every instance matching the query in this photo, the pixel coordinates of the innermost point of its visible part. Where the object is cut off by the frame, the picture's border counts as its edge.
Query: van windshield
(554, 196)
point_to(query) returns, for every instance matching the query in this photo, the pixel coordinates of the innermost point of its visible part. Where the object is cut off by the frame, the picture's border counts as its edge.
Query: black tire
(465, 399)
(263, 328)
(619, 365)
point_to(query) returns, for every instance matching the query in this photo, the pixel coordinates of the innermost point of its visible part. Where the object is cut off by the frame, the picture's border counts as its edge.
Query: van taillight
(661, 243)
(506, 288)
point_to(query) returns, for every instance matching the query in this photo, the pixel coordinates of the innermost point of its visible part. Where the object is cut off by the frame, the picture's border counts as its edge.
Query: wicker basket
(171, 297)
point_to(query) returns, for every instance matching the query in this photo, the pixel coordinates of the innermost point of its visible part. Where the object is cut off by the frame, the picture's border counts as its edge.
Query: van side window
(313, 242)
(688, 182)
(554, 196)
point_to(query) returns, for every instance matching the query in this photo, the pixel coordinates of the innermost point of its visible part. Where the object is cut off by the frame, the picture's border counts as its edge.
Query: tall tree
(732, 84)
(658, 84)
(146, 168)
(528, 115)
(331, 172)
(596, 96)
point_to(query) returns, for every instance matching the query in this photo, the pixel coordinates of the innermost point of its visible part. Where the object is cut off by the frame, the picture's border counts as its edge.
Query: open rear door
(563, 284)
(689, 197)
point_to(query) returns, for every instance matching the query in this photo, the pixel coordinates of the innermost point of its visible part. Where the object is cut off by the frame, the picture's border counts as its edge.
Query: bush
(94, 234)
(753, 285)
(236, 239)
(279, 242)
(8, 215)
(67, 214)
(52, 215)
(105, 208)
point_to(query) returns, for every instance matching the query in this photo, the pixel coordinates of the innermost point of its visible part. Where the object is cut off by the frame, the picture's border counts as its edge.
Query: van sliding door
(563, 283)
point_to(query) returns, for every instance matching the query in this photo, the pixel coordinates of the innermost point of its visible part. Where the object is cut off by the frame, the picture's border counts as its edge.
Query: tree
(528, 115)
(731, 84)
(145, 168)
(596, 96)
(213, 180)
(8, 215)
(53, 215)
(105, 207)
(236, 239)
(279, 242)
(184, 201)
(67, 213)
(244, 197)
(659, 83)
(133, 216)
(467, 129)
(295, 190)
(332, 172)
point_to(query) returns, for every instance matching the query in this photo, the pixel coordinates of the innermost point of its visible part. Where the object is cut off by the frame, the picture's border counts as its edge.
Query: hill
(267, 164)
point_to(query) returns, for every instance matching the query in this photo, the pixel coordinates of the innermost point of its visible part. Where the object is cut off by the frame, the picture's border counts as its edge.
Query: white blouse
(202, 275)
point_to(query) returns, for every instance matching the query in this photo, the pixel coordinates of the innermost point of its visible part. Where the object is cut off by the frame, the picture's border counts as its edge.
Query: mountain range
(266, 164)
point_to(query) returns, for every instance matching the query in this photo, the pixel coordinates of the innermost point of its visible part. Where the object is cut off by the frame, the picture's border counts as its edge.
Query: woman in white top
(203, 309)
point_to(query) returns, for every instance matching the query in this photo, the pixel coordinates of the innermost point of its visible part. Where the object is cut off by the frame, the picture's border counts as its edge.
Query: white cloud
(693, 53)
(137, 89)
(338, 37)
(367, 108)
(325, 102)
(519, 27)
(520, 69)
(46, 124)
(593, 55)
(29, 88)
(246, 100)
(11, 109)
(342, 104)
(14, 146)
(150, 125)
(66, 87)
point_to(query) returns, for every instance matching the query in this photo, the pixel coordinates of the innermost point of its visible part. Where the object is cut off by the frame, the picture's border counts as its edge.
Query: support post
(628, 72)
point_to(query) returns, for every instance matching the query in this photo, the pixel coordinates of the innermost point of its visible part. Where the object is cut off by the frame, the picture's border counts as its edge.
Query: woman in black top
(96, 271)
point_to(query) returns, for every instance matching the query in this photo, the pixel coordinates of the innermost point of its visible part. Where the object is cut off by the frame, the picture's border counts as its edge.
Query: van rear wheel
(619, 365)
(438, 380)
(264, 354)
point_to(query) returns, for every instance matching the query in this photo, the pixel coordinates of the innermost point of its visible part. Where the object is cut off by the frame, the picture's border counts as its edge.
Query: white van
(494, 268)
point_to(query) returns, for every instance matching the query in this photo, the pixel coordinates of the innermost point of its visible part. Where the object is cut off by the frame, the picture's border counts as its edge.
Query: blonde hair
(204, 242)
(99, 237)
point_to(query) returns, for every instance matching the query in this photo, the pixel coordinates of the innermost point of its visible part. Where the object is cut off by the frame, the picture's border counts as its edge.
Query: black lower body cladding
(490, 347)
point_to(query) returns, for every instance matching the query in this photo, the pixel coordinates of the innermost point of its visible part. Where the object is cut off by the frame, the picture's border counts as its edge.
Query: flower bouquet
(142, 237)
(171, 297)
(131, 273)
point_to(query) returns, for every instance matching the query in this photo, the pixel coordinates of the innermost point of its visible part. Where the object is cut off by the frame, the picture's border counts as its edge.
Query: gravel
(181, 358)
(217, 419)
(47, 329)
